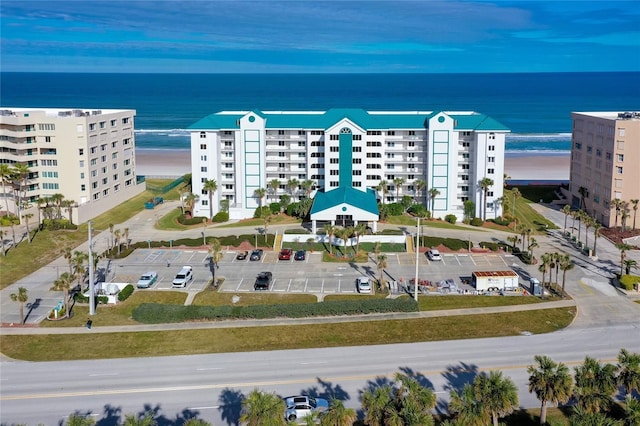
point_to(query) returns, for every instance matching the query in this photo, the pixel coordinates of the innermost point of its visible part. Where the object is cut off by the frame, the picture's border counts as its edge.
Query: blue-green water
(536, 107)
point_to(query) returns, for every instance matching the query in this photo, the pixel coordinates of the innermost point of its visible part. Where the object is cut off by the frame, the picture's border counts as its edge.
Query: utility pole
(415, 283)
(92, 296)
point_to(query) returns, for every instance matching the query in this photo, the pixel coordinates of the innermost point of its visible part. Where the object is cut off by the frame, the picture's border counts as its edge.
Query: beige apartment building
(88, 156)
(605, 164)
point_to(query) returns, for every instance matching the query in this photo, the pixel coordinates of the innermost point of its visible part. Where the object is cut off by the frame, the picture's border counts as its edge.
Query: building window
(113, 123)
(609, 156)
(105, 191)
(203, 146)
(489, 159)
(620, 158)
(334, 173)
(92, 126)
(356, 161)
(391, 144)
(302, 144)
(589, 149)
(391, 133)
(333, 161)
(621, 132)
(93, 149)
(203, 169)
(81, 151)
(125, 120)
(280, 143)
(93, 161)
(103, 124)
(466, 144)
(578, 145)
(83, 187)
(333, 184)
(357, 137)
(203, 135)
(412, 144)
(114, 144)
(203, 158)
(465, 167)
(46, 126)
(492, 136)
(598, 152)
(115, 177)
(334, 149)
(103, 158)
(619, 170)
(489, 193)
(114, 155)
(356, 149)
(356, 173)
(391, 166)
(492, 147)
(228, 165)
(281, 154)
(357, 184)
(464, 177)
(491, 171)
(374, 143)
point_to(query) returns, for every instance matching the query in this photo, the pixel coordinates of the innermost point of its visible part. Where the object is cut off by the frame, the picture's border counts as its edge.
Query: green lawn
(436, 303)
(214, 298)
(185, 342)
(280, 219)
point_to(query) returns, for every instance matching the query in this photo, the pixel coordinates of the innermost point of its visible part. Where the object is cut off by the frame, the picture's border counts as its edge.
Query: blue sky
(319, 36)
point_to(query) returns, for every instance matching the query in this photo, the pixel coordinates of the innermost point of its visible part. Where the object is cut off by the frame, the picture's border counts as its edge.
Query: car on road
(256, 255)
(298, 407)
(183, 277)
(434, 254)
(263, 281)
(147, 279)
(242, 255)
(300, 255)
(363, 285)
(285, 254)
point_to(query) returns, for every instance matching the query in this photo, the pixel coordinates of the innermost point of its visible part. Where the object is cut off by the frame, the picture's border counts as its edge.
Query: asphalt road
(212, 386)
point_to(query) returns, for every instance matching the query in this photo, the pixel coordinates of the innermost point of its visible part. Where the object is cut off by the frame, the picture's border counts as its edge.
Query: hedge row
(153, 313)
(450, 243)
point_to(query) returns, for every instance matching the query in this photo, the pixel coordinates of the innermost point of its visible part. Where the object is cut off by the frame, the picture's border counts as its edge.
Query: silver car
(298, 407)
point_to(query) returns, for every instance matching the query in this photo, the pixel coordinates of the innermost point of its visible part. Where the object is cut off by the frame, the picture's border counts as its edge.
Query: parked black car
(263, 281)
(256, 255)
(300, 255)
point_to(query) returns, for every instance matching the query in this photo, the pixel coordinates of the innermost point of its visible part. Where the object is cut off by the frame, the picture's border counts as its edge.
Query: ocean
(536, 107)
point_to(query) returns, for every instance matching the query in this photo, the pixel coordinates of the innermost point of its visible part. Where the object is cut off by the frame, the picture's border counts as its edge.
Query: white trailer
(495, 280)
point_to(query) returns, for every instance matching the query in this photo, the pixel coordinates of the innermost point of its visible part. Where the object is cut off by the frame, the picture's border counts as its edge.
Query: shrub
(261, 212)
(297, 231)
(419, 210)
(390, 232)
(395, 209)
(125, 293)
(275, 208)
(154, 313)
(493, 246)
(56, 224)
(451, 218)
(8, 220)
(292, 208)
(476, 221)
(221, 217)
(501, 221)
(628, 281)
(197, 220)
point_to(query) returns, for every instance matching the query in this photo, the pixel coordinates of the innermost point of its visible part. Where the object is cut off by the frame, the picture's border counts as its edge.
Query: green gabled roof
(354, 197)
(360, 117)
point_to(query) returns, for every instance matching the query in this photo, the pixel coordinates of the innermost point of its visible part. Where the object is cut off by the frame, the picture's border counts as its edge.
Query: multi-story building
(449, 151)
(88, 156)
(605, 155)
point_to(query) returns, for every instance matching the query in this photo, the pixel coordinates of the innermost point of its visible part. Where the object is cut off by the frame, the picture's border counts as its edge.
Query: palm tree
(596, 233)
(145, 419)
(624, 215)
(377, 403)
(211, 186)
(68, 205)
(588, 223)
(126, 237)
(26, 217)
(359, 229)
(77, 261)
(433, 193)
(523, 234)
(21, 173)
(63, 283)
(624, 248)
(629, 264)
(381, 263)
(629, 371)
(498, 394)
(274, 185)
(21, 297)
(330, 230)
(566, 264)
(117, 234)
(190, 201)
(259, 194)
(533, 243)
(111, 226)
(484, 185)
(567, 211)
(582, 417)
(77, 419)
(419, 185)
(5, 178)
(545, 266)
(550, 381)
(514, 240)
(515, 194)
(616, 204)
(196, 422)
(497, 203)
(595, 385)
(344, 234)
(467, 409)
(382, 189)
(338, 415)
(632, 411)
(634, 203)
(307, 187)
(56, 200)
(215, 251)
(292, 185)
(263, 409)
(398, 182)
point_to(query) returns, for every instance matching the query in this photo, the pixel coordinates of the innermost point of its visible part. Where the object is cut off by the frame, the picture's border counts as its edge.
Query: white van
(183, 277)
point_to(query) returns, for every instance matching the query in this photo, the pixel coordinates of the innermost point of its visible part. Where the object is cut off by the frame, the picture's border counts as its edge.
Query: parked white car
(434, 254)
(183, 277)
(363, 285)
(147, 279)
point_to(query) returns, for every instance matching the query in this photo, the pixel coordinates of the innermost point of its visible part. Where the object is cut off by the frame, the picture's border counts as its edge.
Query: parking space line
(305, 285)
(289, 286)
(322, 287)
(338, 285)
(239, 284)
(472, 260)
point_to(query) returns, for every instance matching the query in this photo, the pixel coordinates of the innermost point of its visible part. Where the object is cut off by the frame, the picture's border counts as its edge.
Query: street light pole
(415, 283)
(92, 296)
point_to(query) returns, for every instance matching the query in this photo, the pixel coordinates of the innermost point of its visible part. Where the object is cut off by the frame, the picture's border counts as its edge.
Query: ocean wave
(166, 132)
(538, 136)
(537, 152)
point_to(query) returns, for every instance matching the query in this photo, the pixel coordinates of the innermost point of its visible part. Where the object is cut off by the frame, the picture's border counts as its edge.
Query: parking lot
(290, 276)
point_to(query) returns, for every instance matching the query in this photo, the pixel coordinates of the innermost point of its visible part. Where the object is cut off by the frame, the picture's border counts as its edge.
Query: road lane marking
(208, 368)
(103, 374)
(211, 407)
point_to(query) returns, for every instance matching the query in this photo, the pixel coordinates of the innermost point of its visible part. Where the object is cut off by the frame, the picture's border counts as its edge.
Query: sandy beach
(548, 167)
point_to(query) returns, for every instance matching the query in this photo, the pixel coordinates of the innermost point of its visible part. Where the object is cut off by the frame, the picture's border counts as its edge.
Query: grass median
(187, 342)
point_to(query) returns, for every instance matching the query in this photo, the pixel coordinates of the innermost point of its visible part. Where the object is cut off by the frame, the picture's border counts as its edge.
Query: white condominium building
(88, 156)
(451, 151)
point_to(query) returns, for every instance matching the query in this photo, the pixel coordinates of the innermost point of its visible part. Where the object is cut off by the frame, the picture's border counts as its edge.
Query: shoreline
(518, 166)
